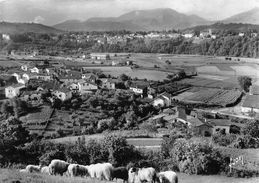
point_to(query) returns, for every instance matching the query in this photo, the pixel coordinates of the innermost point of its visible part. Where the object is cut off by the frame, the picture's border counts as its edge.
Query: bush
(119, 151)
(224, 140)
(195, 158)
(246, 141)
(251, 128)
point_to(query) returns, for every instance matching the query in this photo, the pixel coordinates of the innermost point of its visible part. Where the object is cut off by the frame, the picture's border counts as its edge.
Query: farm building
(222, 125)
(198, 127)
(71, 76)
(251, 104)
(13, 91)
(139, 89)
(63, 94)
(100, 56)
(86, 87)
(108, 84)
(163, 100)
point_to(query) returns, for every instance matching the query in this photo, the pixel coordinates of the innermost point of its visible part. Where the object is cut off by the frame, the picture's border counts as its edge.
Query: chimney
(205, 120)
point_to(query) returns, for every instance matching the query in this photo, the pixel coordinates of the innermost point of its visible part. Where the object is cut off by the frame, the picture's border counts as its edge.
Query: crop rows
(215, 96)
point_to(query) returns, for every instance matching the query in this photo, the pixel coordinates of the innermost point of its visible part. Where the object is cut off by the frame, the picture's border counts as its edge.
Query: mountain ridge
(249, 17)
(13, 28)
(139, 20)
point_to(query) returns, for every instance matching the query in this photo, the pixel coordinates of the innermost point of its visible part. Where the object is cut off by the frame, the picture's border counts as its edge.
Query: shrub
(195, 158)
(224, 140)
(119, 151)
(251, 128)
(246, 141)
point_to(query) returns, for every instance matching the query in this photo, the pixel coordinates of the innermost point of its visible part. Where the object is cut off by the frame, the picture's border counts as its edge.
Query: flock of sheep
(104, 171)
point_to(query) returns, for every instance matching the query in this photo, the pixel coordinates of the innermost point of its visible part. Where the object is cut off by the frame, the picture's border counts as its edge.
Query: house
(241, 34)
(177, 116)
(90, 77)
(199, 128)
(63, 94)
(168, 111)
(162, 100)
(86, 87)
(24, 68)
(70, 77)
(222, 125)
(74, 87)
(108, 83)
(140, 88)
(31, 96)
(100, 56)
(188, 35)
(34, 70)
(250, 104)
(14, 90)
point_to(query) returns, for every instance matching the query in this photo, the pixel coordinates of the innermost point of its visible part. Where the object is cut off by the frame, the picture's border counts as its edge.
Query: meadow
(14, 176)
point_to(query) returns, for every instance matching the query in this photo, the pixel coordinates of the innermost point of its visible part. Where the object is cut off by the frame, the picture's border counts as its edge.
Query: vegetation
(226, 44)
(245, 82)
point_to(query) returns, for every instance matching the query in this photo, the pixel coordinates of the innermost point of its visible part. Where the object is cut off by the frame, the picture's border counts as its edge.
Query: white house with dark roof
(163, 100)
(14, 90)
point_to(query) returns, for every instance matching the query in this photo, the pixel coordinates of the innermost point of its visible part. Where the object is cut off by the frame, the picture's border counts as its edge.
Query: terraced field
(210, 96)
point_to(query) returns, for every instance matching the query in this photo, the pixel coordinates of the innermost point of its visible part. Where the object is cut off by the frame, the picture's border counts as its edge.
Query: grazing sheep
(138, 175)
(33, 168)
(168, 177)
(23, 171)
(72, 170)
(120, 173)
(101, 171)
(45, 170)
(58, 167)
(82, 171)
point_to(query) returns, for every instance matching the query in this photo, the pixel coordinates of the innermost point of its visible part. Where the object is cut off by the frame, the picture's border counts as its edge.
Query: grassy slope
(7, 175)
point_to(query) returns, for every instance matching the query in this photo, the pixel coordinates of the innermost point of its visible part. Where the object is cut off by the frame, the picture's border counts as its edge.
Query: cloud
(38, 19)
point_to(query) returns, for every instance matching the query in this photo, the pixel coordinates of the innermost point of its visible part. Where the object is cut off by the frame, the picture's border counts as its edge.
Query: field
(13, 176)
(9, 63)
(211, 96)
(138, 142)
(140, 74)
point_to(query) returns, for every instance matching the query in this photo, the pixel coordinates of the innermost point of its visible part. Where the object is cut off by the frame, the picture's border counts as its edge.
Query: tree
(251, 128)
(124, 77)
(245, 82)
(119, 151)
(13, 133)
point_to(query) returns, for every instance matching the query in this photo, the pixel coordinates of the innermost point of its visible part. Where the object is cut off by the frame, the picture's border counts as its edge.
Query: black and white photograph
(129, 91)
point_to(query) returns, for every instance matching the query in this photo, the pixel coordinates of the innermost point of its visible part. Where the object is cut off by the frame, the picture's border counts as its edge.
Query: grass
(14, 176)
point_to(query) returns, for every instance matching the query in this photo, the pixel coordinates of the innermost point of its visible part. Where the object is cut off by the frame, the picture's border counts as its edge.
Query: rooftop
(220, 122)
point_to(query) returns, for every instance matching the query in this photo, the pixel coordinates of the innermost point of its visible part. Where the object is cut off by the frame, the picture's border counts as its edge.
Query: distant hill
(248, 17)
(139, 20)
(236, 27)
(11, 28)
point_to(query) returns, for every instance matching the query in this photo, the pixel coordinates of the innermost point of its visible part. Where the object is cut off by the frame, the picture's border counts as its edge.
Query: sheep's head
(161, 178)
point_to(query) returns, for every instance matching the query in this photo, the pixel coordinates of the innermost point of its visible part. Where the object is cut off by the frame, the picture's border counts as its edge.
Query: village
(53, 89)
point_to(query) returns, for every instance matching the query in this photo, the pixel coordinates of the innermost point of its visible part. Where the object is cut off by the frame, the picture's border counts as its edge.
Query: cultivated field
(11, 176)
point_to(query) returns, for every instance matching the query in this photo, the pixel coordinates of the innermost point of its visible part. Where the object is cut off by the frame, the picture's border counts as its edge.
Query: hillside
(236, 27)
(11, 28)
(97, 25)
(139, 20)
(248, 17)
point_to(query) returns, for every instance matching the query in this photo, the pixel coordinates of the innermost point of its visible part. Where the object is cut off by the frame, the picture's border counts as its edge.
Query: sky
(51, 12)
